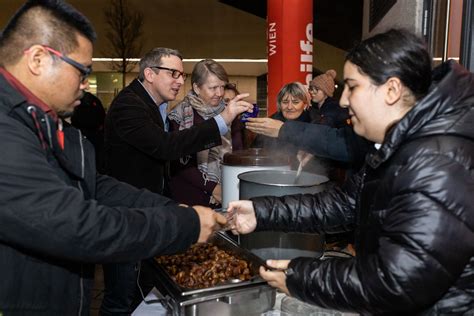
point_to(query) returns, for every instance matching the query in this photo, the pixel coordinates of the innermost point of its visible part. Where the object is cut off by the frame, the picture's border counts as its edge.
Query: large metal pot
(241, 161)
(278, 245)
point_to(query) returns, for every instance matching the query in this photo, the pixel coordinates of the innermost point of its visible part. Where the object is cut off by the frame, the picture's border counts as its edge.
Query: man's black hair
(59, 9)
(54, 23)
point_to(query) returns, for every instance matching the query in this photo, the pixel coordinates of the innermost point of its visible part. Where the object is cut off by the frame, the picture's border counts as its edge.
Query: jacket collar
(440, 112)
(304, 117)
(137, 87)
(140, 90)
(27, 94)
(16, 104)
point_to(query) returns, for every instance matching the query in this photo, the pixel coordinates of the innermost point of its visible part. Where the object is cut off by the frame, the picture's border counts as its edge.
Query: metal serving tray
(251, 297)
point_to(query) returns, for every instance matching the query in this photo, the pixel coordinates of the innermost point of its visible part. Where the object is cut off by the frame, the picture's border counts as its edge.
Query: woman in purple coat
(195, 179)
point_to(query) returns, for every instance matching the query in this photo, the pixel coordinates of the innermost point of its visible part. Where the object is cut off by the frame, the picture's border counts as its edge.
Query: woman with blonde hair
(196, 178)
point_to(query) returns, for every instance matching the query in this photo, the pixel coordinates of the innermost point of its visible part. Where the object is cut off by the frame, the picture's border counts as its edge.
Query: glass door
(445, 28)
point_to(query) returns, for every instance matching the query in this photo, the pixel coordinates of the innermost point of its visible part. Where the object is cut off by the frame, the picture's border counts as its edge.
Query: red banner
(289, 45)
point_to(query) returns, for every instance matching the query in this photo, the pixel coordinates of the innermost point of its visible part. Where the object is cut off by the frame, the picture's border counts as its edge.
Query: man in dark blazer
(138, 146)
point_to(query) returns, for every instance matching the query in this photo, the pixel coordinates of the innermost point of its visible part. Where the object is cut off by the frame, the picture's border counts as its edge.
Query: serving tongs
(228, 226)
(298, 172)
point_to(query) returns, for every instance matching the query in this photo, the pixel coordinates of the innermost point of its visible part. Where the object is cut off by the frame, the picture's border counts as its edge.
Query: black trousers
(122, 294)
(121, 288)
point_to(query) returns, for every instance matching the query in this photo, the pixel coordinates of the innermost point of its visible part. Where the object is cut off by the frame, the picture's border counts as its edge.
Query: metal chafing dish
(251, 297)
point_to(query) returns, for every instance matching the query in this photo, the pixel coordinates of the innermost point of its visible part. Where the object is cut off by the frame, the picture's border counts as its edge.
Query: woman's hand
(275, 278)
(264, 125)
(236, 106)
(217, 193)
(304, 157)
(244, 220)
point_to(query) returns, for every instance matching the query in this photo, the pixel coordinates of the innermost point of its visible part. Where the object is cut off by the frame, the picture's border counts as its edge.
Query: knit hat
(325, 82)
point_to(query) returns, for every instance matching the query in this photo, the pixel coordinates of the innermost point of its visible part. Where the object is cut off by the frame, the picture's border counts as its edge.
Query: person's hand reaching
(236, 106)
(304, 157)
(276, 278)
(264, 125)
(210, 222)
(244, 220)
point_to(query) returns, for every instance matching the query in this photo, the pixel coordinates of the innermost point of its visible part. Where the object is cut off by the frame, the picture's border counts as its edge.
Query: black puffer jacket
(413, 208)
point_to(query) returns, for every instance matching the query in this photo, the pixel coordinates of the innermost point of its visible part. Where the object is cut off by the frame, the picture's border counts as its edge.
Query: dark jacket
(413, 209)
(138, 149)
(330, 113)
(58, 216)
(187, 184)
(89, 118)
(339, 144)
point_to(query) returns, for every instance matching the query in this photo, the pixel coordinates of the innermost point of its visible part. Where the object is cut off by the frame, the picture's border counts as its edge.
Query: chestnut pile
(203, 266)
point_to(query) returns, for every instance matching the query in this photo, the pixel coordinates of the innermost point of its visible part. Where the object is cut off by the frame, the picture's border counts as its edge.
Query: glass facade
(107, 85)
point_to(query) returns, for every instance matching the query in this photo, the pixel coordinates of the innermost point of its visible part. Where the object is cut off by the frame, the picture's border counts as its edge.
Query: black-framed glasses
(84, 70)
(175, 74)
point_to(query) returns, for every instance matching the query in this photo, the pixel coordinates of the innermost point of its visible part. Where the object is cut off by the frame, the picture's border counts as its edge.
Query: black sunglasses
(175, 74)
(85, 71)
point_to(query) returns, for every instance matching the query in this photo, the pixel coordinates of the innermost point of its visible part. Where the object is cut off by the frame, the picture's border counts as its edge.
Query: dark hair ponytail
(395, 53)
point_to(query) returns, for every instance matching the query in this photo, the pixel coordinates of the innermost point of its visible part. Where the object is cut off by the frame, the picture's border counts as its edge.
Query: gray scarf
(209, 160)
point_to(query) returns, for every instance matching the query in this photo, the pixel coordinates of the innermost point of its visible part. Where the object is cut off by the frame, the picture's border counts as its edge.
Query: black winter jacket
(137, 147)
(339, 144)
(58, 216)
(330, 113)
(413, 209)
(263, 141)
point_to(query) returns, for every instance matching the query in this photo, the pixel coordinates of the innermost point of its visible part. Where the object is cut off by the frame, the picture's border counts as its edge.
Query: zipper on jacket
(32, 111)
(81, 281)
(359, 194)
(82, 154)
(359, 199)
(81, 284)
(48, 126)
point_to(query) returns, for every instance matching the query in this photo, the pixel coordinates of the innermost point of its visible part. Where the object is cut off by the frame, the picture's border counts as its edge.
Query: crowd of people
(80, 187)
(141, 143)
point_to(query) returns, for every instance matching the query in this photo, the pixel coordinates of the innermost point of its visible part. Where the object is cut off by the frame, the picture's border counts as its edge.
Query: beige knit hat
(325, 82)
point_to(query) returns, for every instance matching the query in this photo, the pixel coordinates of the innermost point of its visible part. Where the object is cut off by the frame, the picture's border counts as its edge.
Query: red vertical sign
(289, 45)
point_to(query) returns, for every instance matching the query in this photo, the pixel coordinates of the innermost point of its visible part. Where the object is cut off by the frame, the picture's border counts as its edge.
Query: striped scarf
(209, 160)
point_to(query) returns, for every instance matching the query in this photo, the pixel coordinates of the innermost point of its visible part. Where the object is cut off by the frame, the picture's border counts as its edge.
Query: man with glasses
(84, 71)
(58, 216)
(139, 147)
(138, 144)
